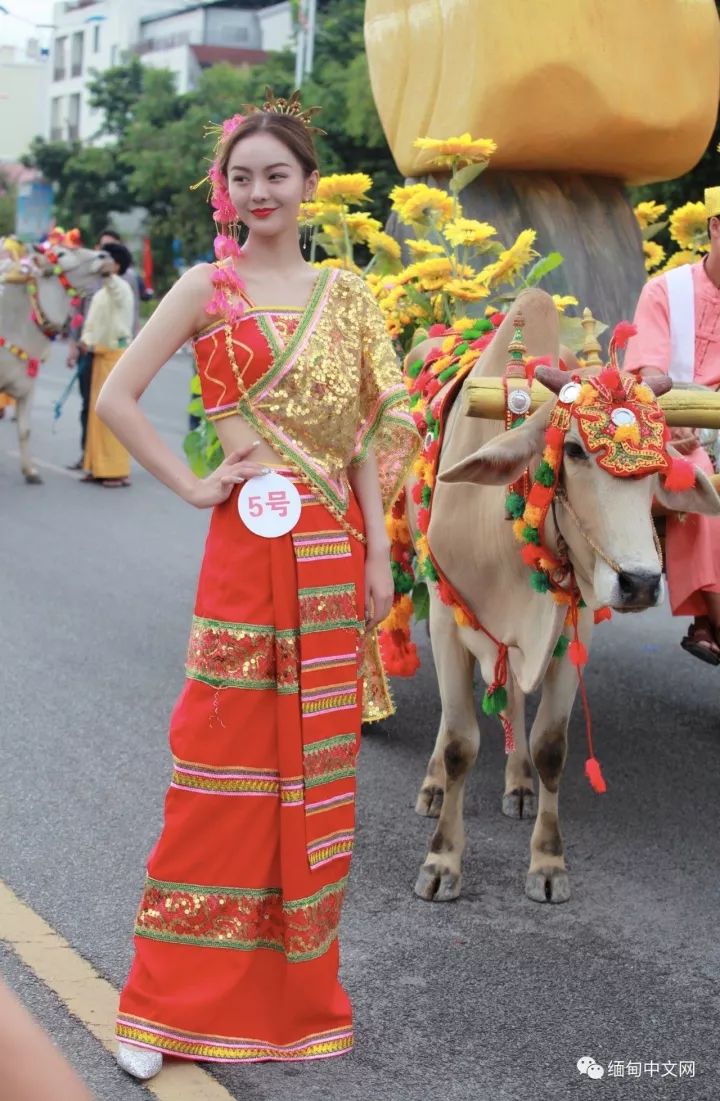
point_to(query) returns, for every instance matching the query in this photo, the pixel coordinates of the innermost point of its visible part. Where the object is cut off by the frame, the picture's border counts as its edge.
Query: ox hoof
(32, 478)
(436, 884)
(548, 885)
(429, 801)
(519, 803)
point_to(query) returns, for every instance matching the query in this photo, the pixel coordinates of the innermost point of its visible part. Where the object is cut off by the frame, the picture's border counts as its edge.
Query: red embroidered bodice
(232, 358)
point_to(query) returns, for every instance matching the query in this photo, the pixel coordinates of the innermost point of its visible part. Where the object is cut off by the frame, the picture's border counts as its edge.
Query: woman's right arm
(175, 321)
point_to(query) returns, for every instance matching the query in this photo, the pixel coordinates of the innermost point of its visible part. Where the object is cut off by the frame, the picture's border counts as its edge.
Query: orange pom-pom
(595, 776)
(681, 476)
(577, 653)
(532, 515)
(602, 614)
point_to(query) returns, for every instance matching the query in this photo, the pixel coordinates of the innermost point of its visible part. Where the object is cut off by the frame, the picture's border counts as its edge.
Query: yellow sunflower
(654, 254)
(468, 290)
(338, 262)
(448, 152)
(417, 205)
(350, 188)
(688, 227)
(648, 213)
(423, 247)
(360, 226)
(562, 301)
(317, 212)
(384, 246)
(466, 231)
(511, 260)
(684, 256)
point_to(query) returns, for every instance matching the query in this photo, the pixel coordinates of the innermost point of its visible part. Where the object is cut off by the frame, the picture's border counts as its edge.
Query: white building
(24, 83)
(181, 35)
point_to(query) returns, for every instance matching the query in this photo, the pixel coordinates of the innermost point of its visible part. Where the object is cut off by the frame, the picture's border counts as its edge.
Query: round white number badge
(269, 505)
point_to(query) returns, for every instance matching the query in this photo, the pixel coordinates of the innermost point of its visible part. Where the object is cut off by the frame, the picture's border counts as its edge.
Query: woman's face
(267, 183)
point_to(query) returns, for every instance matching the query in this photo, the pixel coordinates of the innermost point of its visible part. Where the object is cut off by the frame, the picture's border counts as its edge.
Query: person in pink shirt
(678, 333)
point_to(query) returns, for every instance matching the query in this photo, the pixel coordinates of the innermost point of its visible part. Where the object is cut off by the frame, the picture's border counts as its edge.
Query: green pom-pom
(531, 535)
(516, 424)
(429, 570)
(495, 700)
(545, 475)
(426, 496)
(483, 325)
(448, 373)
(561, 647)
(514, 505)
(460, 349)
(415, 368)
(581, 603)
(539, 581)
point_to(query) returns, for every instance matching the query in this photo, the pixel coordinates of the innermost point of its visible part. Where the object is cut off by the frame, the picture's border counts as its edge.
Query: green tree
(8, 200)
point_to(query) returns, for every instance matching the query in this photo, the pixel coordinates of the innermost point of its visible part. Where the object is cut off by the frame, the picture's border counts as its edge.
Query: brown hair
(292, 132)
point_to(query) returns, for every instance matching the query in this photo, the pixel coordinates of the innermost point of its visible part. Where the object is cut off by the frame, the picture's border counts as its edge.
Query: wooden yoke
(485, 397)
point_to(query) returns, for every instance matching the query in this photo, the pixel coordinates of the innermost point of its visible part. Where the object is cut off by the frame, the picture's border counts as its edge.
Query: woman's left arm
(379, 586)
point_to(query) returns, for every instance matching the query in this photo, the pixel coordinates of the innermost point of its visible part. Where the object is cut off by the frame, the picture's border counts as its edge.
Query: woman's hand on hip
(379, 588)
(235, 469)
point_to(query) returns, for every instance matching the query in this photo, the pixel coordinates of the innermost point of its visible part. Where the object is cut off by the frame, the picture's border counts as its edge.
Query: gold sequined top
(320, 385)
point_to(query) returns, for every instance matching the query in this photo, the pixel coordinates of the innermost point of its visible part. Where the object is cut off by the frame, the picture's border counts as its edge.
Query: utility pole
(305, 52)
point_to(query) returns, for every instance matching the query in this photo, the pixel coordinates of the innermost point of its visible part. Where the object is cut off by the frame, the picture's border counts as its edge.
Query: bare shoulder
(190, 295)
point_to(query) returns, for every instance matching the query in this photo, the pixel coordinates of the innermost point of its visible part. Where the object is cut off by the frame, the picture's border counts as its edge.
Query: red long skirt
(236, 946)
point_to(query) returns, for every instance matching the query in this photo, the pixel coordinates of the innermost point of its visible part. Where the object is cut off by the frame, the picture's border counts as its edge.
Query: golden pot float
(603, 87)
(581, 97)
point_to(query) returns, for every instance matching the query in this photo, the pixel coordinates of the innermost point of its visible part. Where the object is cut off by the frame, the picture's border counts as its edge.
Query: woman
(236, 937)
(107, 330)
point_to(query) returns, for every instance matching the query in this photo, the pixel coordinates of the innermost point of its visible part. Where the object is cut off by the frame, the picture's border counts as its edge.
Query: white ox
(17, 327)
(475, 548)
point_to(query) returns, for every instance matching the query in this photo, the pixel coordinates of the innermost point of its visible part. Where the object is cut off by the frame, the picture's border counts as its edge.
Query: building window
(74, 118)
(77, 53)
(59, 65)
(96, 38)
(56, 107)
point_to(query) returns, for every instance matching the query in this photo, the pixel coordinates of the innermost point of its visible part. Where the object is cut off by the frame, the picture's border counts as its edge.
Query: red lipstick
(263, 212)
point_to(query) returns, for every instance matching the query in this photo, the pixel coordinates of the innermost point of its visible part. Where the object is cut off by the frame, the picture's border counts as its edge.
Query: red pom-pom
(482, 341)
(563, 365)
(622, 333)
(533, 362)
(601, 614)
(577, 653)
(437, 330)
(530, 554)
(497, 319)
(416, 494)
(433, 354)
(432, 451)
(432, 388)
(399, 653)
(445, 592)
(423, 519)
(595, 776)
(610, 378)
(554, 437)
(681, 476)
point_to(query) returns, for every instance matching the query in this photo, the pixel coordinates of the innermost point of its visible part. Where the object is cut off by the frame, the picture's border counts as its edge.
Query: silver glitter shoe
(139, 1061)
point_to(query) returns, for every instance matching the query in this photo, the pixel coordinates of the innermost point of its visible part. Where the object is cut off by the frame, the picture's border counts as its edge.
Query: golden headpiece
(292, 107)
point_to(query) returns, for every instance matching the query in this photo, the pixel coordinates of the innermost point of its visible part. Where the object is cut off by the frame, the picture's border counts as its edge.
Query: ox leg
(30, 472)
(432, 790)
(519, 799)
(547, 879)
(458, 742)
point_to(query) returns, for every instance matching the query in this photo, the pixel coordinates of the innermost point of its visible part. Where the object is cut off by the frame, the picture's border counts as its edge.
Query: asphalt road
(493, 997)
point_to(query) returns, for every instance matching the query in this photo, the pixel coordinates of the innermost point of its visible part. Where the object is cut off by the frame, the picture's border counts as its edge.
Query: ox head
(81, 266)
(608, 527)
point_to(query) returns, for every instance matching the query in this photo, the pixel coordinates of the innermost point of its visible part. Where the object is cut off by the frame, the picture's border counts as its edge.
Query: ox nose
(639, 590)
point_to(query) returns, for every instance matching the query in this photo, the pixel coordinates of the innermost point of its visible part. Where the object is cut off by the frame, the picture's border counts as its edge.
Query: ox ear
(702, 497)
(503, 459)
